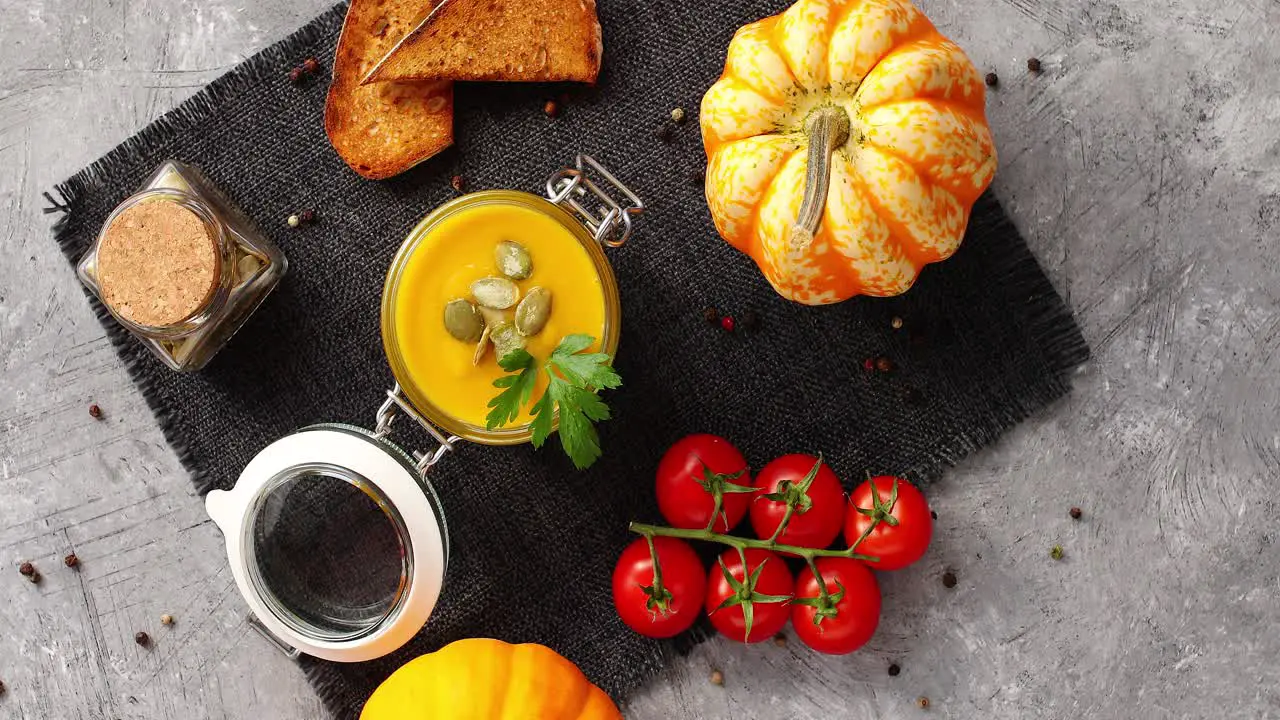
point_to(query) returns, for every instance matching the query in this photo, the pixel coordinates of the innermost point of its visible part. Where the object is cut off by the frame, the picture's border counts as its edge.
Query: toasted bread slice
(503, 40)
(383, 130)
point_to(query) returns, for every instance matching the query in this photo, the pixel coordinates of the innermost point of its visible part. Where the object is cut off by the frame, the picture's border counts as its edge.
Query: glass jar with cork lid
(181, 268)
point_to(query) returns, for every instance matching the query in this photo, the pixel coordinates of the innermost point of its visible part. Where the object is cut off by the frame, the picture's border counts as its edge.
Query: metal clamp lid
(609, 221)
(387, 415)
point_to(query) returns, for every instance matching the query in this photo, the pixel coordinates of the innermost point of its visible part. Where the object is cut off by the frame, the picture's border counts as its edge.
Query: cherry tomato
(769, 592)
(684, 583)
(851, 617)
(905, 526)
(690, 474)
(813, 526)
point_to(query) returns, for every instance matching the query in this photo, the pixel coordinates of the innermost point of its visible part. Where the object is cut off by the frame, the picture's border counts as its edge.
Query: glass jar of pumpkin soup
(482, 272)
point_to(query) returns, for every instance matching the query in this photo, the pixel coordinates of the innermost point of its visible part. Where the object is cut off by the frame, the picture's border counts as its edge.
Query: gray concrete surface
(1144, 167)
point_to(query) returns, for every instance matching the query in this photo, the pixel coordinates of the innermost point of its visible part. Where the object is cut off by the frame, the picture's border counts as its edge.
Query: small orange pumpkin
(847, 141)
(483, 679)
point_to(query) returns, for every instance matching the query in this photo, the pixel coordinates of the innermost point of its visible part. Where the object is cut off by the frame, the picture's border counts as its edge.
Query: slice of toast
(382, 130)
(503, 40)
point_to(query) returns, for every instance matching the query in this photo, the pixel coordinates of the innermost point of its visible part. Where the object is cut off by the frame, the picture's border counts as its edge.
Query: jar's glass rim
(218, 292)
(419, 398)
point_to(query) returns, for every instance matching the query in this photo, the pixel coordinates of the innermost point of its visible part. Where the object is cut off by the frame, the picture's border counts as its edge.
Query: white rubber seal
(230, 510)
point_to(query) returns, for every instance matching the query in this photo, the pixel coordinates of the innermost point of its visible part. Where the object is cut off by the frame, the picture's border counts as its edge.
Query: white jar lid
(336, 542)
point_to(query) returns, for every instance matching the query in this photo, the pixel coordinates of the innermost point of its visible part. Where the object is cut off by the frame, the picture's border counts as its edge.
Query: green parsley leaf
(516, 389)
(575, 379)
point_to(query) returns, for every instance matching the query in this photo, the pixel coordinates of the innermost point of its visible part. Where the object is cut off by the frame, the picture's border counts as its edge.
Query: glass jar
(335, 536)
(232, 274)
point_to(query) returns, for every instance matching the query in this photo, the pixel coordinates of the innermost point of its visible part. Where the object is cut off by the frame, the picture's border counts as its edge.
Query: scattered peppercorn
(1, 687)
(869, 364)
(310, 65)
(992, 79)
(727, 323)
(459, 183)
(896, 323)
(749, 321)
(948, 579)
(717, 677)
(1076, 513)
(780, 640)
(711, 314)
(894, 670)
(166, 619)
(295, 75)
(664, 132)
(294, 221)
(1033, 64)
(27, 569)
(35, 578)
(923, 702)
(551, 108)
(884, 364)
(142, 638)
(1056, 552)
(933, 514)
(307, 216)
(71, 560)
(677, 116)
(95, 412)
(698, 177)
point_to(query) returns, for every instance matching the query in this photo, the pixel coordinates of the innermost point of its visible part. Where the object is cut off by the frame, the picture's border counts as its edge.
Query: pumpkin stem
(828, 129)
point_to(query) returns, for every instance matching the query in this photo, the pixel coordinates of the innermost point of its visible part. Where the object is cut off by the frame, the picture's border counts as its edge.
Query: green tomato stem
(742, 544)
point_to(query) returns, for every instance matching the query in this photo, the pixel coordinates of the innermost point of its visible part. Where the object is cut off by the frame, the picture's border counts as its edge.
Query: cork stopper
(158, 263)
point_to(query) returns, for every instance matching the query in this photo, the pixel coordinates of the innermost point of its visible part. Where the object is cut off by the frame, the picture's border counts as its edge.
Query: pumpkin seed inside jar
(478, 255)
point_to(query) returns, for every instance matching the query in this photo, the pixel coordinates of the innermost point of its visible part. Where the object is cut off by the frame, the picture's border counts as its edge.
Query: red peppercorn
(295, 75)
(27, 569)
(307, 216)
(142, 639)
(869, 364)
(310, 65)
(71, 560)
(727, 323)
(95, 412)
(551, 109)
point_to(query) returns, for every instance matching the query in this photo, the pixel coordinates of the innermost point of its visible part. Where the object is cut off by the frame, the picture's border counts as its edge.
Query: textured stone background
(1144, 168)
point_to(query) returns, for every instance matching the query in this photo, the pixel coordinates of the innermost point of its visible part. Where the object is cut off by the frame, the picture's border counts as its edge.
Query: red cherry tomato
(687, 465)
(850, 620)
(897, 542)
(770, 590)
(684, 584)
(814, 526)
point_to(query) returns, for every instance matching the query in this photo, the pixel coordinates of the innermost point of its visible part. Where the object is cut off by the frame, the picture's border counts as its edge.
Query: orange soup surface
(460, 250)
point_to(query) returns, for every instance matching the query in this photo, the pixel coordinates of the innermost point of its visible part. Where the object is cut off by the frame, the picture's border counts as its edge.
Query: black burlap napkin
(984, 340)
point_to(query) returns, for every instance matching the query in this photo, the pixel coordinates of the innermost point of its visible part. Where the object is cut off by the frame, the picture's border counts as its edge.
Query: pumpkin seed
(463, 320)
(493, 317)
(482, 347)
(495, 292)
(513, 260)
(505, 339)
(533, 311)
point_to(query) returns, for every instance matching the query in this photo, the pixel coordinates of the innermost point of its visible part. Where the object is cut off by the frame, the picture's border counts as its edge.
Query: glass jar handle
(609, 220)
(395, 403)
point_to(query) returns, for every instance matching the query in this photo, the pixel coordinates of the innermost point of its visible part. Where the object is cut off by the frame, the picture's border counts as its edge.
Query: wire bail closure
(609, 221)
(395, 403)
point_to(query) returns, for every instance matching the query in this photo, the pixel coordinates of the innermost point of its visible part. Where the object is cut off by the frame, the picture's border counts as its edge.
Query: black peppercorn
(459, 183)
(992, 79)
(664, 132)
(142, 639)
(1, 688)
(933, 514)
(749, 321)
(1033, 64)
(307, 216)
(948, 579)
(711, 315)
(894, 670)
(1076, 513)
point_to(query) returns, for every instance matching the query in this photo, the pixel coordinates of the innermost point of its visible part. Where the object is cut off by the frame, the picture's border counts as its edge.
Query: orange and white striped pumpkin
(847, 141)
